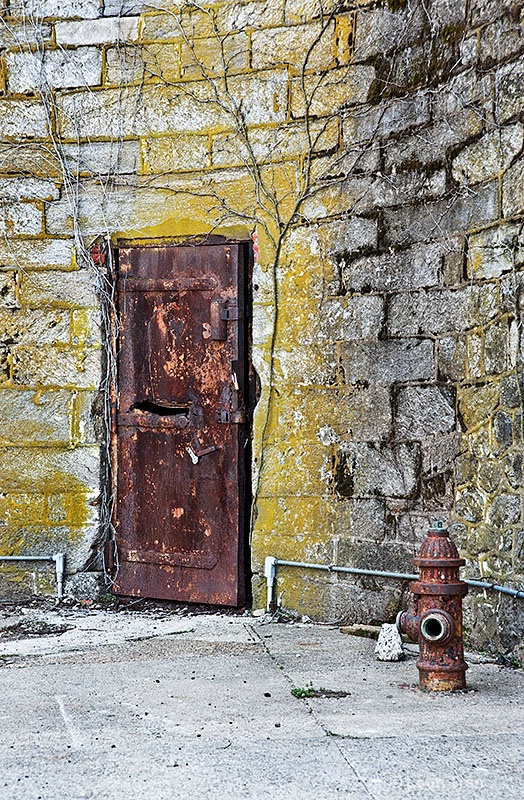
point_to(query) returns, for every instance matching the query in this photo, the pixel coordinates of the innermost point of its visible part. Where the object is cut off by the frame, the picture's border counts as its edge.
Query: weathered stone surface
(417, 267)
(310, 47)
(36, 254)
(35, 327)
(347, 235)
(389, 644)
(431, 144)
(58, 290)
(355, 317)
(513, 190)
(85, 586)
(423, 411)
(502, 431)
(458, 212)
(388, 362)
(477, 403)
(381, 30)
(54, 69)
(440, 312)
(488, 157)
(363, 518)
(495, 251)
(50, 366)
(20, 219)
(29, 417)
(470, 505)
(505, 510)
(102, 158)
(90, 9)
(452, 358)
(496, 348)
(339, 88)
(97, 31)
(362, 470)
(391, 117)
(28, 189)
(510, 90)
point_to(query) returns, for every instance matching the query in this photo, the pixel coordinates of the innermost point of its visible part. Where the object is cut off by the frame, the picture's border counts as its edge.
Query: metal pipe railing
(59, 560)
(271, 564)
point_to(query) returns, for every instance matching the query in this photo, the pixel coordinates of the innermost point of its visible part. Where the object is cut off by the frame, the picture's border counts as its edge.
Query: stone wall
(374, 150)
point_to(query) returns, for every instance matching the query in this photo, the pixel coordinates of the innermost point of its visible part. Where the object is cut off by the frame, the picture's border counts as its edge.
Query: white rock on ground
(389, 644)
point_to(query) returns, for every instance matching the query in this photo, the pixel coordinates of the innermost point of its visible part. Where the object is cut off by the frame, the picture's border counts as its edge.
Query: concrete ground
(155, 704)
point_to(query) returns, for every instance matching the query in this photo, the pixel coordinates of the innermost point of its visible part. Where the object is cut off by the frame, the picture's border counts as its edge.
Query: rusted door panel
(180, 428)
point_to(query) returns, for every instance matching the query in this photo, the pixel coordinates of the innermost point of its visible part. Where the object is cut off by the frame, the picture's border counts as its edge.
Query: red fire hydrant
(435, 620)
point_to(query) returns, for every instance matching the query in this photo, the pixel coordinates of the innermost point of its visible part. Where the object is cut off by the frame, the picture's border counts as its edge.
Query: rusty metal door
(181, 427)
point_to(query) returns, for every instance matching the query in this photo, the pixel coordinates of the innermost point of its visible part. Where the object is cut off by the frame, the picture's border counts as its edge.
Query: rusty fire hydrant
(435, 620)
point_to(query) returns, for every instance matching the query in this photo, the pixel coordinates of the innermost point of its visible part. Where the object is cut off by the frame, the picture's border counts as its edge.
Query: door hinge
(234, 417)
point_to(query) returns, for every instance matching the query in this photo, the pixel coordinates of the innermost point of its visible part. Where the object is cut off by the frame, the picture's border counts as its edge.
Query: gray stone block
(451, 359)
(513, 190)
(380, 30)
(505, 510)
(423, 411)
(414, 268)
(495, 251)
(442, 311)
(387, 362)
(487, 158)
(377, 470)
(510, 90)
(34, 417)
(457, 213)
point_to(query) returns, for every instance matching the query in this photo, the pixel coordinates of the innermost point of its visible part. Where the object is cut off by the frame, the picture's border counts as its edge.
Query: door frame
(101, 256)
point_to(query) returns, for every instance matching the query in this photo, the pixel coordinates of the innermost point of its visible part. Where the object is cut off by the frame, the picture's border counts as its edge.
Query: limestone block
(360, 518)
(444, 13)
(495, 251)
(33, 469)
(28, 71)
(467, 91)
(29, 417)
(85, 586)
(342, 237)
(452, 358)
(22, 118)
(217, 56)
(378, 470)
(304, 47)
(274, 144)
(423, 411)
(490, 475)
(175, 153)
(513, 190)
(505, 510)
(36, 254)
(90, 9)
(389, 361)
(58, 289)
(307, 365)
(439, 453)
(458, 212)
(429, 145)
(20, 219)
(501, 41)
(290, 471)
(416, 267)
(322, 95)
(236, 16)
(470, 505)
(511, 391)
(348, 318)
(28, 189)
(380, 30)
(442, 311)
(102, 158)
(393, 116)
(35, 327)
(97, 31)
(510, 90)
(389, 644)
(50, 366)
(488, 157)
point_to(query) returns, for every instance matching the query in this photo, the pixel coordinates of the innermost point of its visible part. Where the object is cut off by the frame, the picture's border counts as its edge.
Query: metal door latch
(195, 457)
(235, 417)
